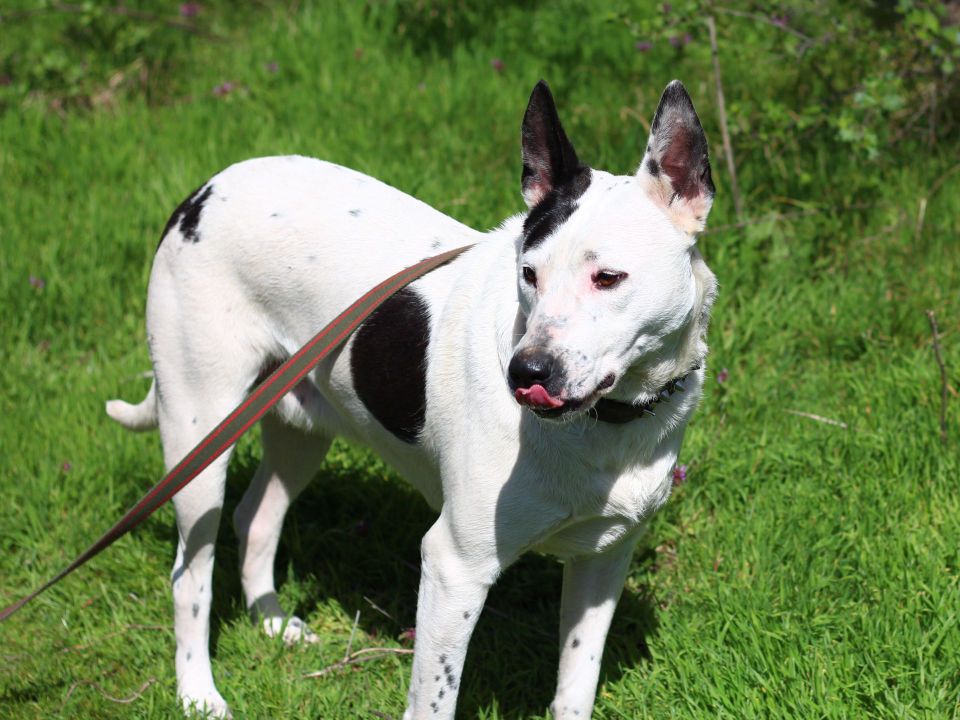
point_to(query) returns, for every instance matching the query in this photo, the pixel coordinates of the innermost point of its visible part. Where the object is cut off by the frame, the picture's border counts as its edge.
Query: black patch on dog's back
(389, 364)
(555, 209)
(187, 214)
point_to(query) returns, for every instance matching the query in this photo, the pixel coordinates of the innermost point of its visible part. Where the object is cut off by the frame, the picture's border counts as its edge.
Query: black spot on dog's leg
(466, 615)
(196, 609)
(355, 212)
(388, 362)
(436, 678)
(575, 643)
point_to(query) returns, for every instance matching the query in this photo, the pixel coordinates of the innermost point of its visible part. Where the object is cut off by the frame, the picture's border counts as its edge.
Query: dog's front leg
(591, 588)
(453, 588)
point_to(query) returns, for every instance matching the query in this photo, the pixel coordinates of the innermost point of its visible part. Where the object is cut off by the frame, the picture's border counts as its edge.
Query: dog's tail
(136, 417)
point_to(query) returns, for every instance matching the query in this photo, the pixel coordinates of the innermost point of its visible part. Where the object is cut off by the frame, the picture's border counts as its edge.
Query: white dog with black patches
(535, 390)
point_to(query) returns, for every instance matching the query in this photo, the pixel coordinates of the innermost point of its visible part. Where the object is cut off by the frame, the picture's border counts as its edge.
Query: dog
(535, 390)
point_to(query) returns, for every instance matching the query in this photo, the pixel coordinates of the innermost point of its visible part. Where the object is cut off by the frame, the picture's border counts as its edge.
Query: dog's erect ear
(676, 168)
(549, 159)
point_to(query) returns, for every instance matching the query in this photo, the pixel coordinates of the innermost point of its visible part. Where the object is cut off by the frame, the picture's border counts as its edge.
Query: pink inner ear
(677, 162)
(537, 187)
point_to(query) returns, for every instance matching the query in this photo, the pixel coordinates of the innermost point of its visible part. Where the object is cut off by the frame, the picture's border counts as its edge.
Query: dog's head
(613, 293)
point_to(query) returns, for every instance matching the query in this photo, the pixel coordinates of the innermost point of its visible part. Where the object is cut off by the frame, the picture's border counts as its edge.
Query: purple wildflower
(67, 466)
(223, 89)
(272, 66)
(687, 39)
(642, 46)
(667, 7)
(190, 9)
(779, 20)
(408, 635)
(497, 64)
(38, 282)
(679, 475)
(675, 41)
(723, 375)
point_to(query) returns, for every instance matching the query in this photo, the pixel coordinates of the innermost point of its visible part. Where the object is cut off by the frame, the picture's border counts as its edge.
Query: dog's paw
(293, 628)
(210, 705)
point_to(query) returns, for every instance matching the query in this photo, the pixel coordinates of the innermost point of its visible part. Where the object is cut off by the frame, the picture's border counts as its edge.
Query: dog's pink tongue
(537, 396)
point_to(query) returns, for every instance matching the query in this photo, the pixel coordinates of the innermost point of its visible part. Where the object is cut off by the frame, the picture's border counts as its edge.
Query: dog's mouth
(540, 401)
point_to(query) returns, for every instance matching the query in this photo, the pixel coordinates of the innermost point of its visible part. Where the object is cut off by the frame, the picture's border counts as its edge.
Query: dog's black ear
(676, 167)
(549, 159)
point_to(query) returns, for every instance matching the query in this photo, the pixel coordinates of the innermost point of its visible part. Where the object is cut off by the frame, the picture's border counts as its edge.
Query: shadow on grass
(355, 534)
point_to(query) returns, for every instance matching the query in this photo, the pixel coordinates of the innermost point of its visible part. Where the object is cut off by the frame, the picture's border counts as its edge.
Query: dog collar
(618, 413)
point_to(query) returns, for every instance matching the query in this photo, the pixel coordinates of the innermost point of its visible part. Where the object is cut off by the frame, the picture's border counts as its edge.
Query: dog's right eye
(529, 276)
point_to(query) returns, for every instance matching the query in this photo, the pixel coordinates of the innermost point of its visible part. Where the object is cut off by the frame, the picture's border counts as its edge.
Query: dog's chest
(606, 507)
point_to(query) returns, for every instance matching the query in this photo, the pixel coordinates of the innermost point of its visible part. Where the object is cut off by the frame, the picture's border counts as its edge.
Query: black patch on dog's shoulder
(187, 214)
(389, 364)
(555, 209)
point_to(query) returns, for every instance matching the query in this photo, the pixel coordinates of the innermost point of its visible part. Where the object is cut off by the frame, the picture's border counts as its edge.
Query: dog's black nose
(530, 367)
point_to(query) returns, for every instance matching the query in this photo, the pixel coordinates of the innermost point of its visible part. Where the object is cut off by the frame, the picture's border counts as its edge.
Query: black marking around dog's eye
(389, 365)
(555, 209)
(653, 167)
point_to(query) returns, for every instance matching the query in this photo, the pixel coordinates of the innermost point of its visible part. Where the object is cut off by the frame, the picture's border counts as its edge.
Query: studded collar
(618, 413)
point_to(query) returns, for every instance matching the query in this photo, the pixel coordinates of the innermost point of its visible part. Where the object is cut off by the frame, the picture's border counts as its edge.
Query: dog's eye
(529, 276)
(605, 279)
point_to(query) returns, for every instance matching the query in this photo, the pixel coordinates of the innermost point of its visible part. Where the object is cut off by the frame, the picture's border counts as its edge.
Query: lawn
(802, 569)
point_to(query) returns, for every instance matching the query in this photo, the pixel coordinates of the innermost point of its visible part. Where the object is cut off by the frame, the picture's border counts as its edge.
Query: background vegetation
(803, 569)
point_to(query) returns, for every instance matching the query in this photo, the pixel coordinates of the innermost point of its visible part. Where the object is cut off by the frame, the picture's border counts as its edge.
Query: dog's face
(606, 273)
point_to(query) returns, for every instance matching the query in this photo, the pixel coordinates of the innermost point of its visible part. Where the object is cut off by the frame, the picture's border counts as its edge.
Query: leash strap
(265, 396)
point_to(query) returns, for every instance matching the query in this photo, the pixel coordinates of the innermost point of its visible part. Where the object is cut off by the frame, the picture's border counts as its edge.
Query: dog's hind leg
(198, 508)
(202, 374)
(290, 459)
(591, 589)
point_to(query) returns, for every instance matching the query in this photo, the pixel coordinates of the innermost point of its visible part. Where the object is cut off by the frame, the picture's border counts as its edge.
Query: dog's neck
(618, 413)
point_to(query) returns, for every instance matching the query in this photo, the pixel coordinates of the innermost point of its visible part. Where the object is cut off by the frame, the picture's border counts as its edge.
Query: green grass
(803, 570)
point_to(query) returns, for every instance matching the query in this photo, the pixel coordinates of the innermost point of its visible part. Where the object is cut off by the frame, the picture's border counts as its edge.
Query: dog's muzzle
(534, 377)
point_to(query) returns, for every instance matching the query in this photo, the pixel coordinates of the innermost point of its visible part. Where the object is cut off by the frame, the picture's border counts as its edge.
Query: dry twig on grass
(818, 418)
(360, 656)
(123, 701)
